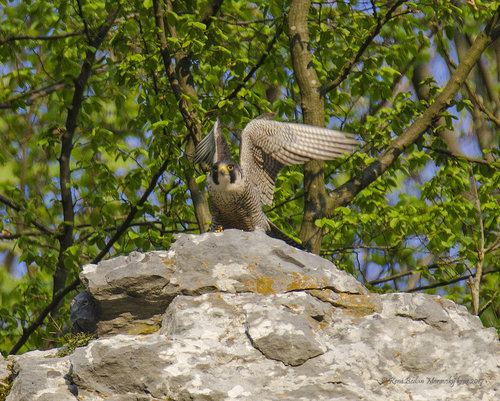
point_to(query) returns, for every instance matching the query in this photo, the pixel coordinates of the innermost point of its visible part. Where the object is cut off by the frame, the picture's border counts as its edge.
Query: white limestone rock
(241, 316)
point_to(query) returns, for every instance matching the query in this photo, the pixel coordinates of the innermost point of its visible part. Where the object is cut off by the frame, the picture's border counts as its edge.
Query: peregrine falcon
(237, 192)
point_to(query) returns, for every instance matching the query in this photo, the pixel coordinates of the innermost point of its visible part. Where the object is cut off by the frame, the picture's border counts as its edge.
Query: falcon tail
(275, 232)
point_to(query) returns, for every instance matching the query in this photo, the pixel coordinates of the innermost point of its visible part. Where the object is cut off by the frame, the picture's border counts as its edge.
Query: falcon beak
(223, 170)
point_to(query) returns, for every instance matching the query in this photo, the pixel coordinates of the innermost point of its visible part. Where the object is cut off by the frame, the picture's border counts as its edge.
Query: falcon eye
(230, 167)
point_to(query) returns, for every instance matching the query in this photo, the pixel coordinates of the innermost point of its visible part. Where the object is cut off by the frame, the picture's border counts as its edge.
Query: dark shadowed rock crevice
(241, 316)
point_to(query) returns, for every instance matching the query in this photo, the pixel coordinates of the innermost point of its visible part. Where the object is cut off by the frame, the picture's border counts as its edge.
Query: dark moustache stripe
(232, 176)
(215, 175)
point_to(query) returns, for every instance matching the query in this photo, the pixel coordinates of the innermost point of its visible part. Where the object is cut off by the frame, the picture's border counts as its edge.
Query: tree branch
(245, 23)
(448, 282)
(35, 94)
(459, 156)
(181, 82)
(470, 91)
(74, 284)
(476, 282)
(66, 238)
(8, 236)
(410, 272)
(259, 64)
(42, 227)
(39, 320)
(393, 277)
(346, 69)
(5, 235)
(84, 20)
(487, 304)
(133, 211)
(39, 37)
(345, 193)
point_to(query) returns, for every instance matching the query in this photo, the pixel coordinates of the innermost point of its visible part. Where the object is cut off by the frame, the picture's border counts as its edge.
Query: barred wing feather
(213, 147)
(267, 146)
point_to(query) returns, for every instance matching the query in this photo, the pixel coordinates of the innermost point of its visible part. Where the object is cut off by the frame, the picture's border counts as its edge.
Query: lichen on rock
(241, 316)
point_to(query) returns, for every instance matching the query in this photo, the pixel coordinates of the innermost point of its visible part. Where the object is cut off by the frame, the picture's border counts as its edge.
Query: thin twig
(133, 211)
(458, 156)
(391, 278)
(80, 13)
(74, 284)
(6, 235)
(245, 23)
(346, 69)
(448, 282)
(487, 304)
(39, 37)
(471, 93)
(494, 246)
(375, 247)
(66, 238)
(18, 208)
(475, 285)
(34, 94)
(443, 262)
(252, 71)
(9, 237)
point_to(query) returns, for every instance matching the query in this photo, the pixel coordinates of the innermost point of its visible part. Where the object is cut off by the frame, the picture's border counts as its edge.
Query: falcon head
(226, 175)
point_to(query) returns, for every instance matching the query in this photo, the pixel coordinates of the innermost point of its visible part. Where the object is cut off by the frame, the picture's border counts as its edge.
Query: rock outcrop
(241, 316)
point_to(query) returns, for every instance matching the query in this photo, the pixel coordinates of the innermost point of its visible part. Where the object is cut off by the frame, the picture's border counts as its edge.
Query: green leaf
(200, 179)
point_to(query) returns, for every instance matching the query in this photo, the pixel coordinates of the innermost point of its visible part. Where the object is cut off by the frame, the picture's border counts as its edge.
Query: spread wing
(213, 147)
(267, 146)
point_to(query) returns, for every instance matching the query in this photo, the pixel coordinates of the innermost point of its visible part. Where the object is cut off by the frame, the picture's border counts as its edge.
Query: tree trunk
(313, 112)
(181, 82)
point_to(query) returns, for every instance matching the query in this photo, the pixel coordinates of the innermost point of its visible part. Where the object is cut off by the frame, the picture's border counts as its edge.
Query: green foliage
(6, 385)
(420, 218)
(72, 342)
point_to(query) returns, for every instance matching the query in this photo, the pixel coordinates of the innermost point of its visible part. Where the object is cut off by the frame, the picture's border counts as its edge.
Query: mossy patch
(72, 342)
(6, 383)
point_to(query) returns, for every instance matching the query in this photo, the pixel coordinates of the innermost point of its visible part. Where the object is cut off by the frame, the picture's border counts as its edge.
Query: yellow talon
(218, 229)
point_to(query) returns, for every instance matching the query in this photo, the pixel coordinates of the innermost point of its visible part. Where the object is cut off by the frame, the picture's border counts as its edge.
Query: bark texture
(313, 111)
(182, 85)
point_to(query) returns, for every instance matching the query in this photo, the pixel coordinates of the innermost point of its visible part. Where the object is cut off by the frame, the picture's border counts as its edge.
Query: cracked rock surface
(241, 316)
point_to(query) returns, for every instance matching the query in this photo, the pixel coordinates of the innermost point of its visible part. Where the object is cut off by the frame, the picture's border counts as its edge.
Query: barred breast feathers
(266, 147)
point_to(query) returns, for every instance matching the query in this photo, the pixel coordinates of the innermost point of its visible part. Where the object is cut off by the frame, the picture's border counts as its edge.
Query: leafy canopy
(430, 221)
